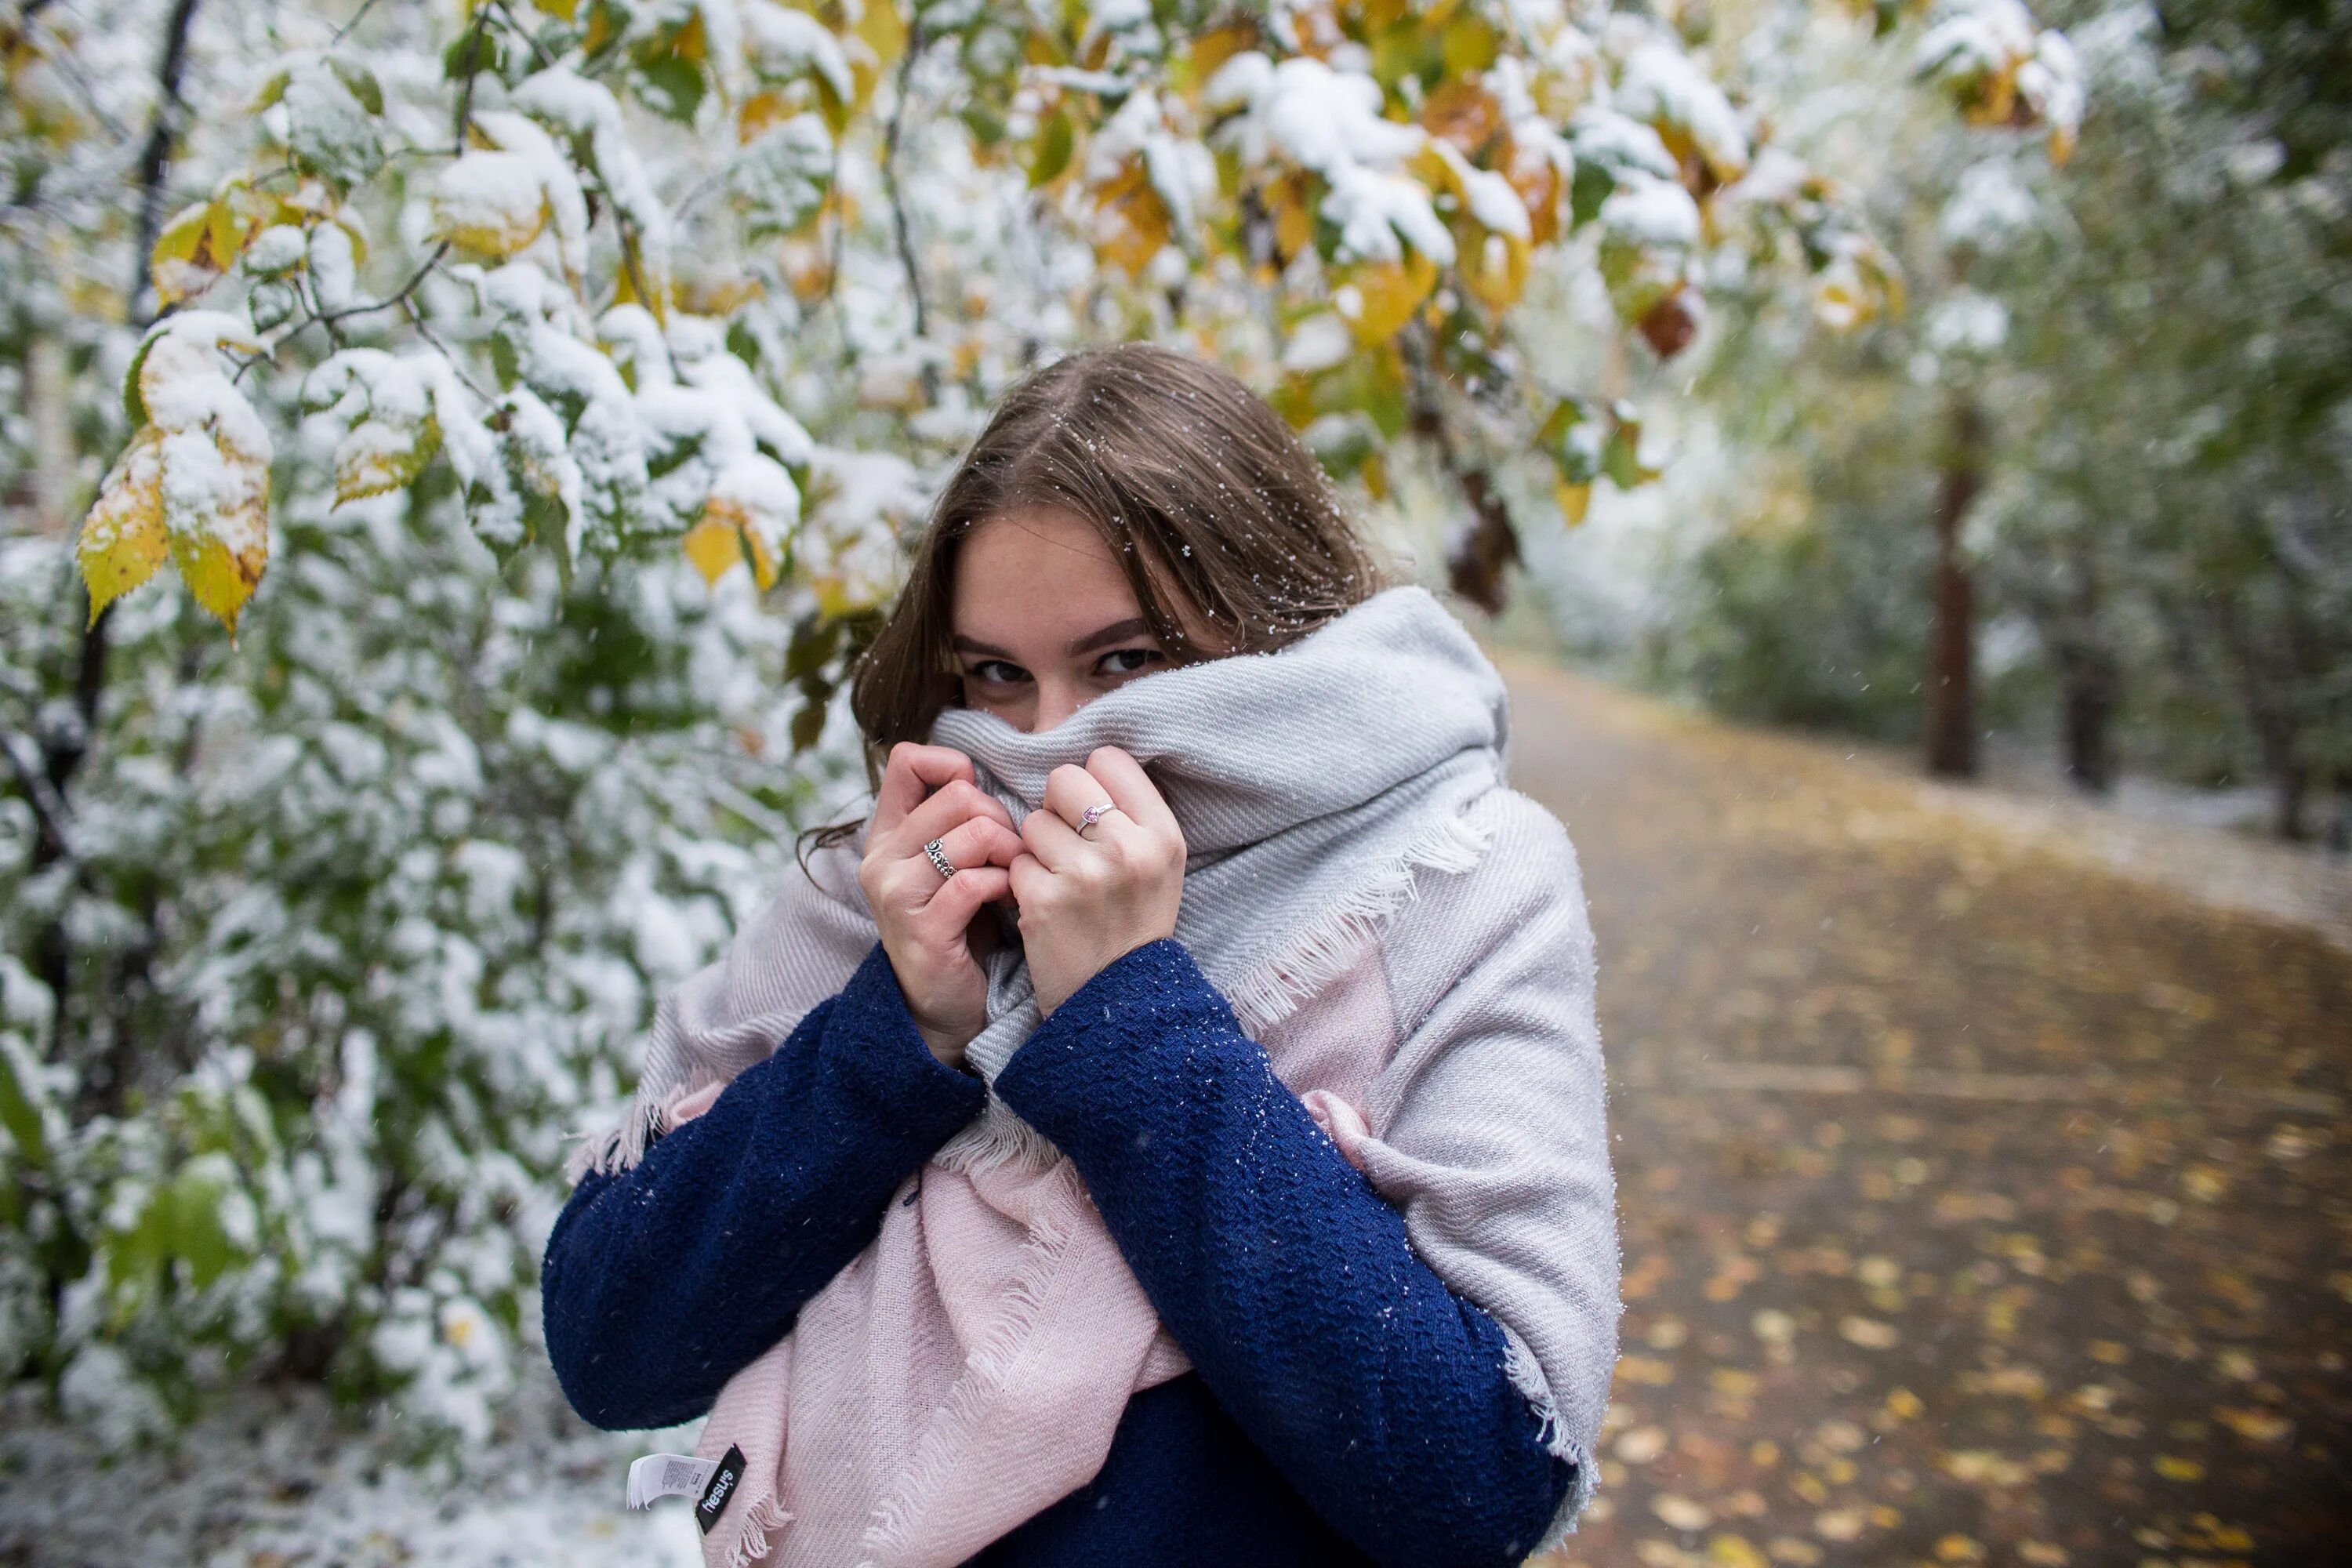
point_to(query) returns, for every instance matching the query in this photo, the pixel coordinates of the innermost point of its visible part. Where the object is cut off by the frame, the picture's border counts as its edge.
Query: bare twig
(357, 17)
(49, 805)
(330, 317)
(157, 154)
(915, 42)
(457, 366)
(465, 94)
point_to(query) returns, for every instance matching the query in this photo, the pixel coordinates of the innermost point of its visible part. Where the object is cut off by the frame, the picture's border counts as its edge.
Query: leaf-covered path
(1980, 1204)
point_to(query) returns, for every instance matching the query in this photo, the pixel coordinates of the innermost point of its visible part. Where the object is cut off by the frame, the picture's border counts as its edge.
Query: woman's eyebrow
(1118, 631)
(986, 650)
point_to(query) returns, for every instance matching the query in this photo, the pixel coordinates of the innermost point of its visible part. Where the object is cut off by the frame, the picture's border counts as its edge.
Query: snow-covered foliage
(457, 354)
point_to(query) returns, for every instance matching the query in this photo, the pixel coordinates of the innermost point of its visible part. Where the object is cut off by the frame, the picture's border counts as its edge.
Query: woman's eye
(997, 672)
(1130, 660)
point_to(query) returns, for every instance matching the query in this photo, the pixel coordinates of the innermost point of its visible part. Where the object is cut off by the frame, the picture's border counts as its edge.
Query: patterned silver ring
(939, 862)
(1095, 813)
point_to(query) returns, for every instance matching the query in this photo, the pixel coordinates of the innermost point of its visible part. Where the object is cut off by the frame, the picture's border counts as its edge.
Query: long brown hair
(1200, 489)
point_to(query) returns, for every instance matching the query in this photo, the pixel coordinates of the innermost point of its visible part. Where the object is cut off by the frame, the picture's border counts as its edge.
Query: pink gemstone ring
(1095, 813)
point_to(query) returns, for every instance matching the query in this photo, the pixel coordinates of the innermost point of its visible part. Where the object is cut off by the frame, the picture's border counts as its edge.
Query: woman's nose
(1056, 700)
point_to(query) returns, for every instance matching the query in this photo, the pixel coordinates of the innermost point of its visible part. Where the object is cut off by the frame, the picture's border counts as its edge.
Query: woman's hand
(926, 919)
(1086, 900)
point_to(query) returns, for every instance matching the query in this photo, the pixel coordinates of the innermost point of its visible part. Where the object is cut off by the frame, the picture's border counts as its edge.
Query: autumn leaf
(1377, 299)
(715, 546)
(122, 540)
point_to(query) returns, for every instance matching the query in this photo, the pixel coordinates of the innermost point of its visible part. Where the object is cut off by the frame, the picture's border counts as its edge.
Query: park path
(1981, 1204)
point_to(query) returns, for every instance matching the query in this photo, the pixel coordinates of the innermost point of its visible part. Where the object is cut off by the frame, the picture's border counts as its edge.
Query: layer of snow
(279, 1477)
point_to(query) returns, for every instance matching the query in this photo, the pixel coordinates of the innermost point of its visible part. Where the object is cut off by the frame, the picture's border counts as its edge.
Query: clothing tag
(669, 1475)
(721, 1490)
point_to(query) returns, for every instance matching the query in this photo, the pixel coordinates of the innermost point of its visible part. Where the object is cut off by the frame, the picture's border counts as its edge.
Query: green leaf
(1055, 145)
(361, 82)
(671, 87)
(474, 50)
(1591, 185)
(197, 1234)
(20, 1101)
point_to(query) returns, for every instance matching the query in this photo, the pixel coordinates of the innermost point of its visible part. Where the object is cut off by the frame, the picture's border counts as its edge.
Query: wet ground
(1981, 1204)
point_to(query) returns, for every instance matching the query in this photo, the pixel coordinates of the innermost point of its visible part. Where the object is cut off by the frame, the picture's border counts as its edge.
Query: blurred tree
(2135, 371)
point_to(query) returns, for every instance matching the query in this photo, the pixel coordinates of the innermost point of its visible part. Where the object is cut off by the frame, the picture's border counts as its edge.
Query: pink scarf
(969, 1369)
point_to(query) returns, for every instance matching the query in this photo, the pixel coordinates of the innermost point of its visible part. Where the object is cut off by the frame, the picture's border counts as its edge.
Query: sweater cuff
(872, 1045)
(1117, 1045)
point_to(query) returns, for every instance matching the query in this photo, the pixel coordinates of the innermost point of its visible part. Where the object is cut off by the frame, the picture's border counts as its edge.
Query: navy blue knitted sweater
(1345, 1405)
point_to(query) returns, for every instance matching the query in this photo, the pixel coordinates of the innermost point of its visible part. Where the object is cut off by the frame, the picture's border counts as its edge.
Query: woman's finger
(979, 842)
(956, 803)
(1070, 790)
(960, 898)
(1024, 876)
(911, 881)
(1131, 789)
(1052, 841)
(911, 773)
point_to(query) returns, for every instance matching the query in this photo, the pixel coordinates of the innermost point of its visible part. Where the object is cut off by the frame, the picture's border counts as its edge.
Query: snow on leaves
(387, 407)
(1389, 175)
(194, 482)
(2001, 69)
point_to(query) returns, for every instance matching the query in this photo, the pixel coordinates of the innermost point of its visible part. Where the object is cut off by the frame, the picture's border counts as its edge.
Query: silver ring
(1095, 813)
(939, 862)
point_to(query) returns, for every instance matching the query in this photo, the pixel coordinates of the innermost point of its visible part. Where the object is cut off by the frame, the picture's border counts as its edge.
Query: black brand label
(721, 1490)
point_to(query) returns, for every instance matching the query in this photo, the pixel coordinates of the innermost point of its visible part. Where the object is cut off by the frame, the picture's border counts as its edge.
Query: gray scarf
(1310, 785)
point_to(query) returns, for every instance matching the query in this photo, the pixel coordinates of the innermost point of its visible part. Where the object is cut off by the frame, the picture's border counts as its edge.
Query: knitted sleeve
(1490, 1122)
(1379, 1394)
(664, 1280)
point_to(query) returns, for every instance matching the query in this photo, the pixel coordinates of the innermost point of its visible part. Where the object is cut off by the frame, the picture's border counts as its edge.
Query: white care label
(658, 1475)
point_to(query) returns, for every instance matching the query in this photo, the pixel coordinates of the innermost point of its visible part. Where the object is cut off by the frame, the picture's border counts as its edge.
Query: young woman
(1170, 1127)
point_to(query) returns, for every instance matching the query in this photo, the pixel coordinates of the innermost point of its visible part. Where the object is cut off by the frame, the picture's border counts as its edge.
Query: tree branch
(48, 806)
(915, 41)
(391, 302)
(156, 157)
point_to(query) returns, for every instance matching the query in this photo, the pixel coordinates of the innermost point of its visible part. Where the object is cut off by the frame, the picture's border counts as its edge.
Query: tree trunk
(2089, 708)
(64, 745)
(1486, 550)
(2086, 670)
(1951, 653)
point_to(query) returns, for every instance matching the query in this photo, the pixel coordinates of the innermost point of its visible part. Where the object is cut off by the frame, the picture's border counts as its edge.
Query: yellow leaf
(561, 10)
(2174, 1468)
(764, 565)
(376, 456)
(489, 204)
(714, 547)
(1496, 268)
(1130, 223)
(122, 540)
(1734, 1551)
(182, 264)
(1574, 502)
(1294, 226)
(759, 111)
(1384, 295)
(884, 33)
(221, 579)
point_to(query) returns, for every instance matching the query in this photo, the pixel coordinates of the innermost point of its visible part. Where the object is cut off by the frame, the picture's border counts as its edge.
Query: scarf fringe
(1272, 989)
(756, 1530)
(620, 1147)
(986, 1370)
(1526, 1375)
(995, 1139)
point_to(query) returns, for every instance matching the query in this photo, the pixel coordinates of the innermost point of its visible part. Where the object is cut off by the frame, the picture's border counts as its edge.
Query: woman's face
(1044, 621)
